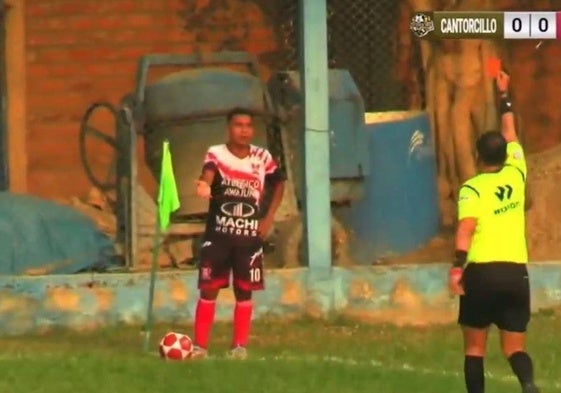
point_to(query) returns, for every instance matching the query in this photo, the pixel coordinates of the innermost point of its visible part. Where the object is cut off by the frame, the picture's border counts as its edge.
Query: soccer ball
(175, 346)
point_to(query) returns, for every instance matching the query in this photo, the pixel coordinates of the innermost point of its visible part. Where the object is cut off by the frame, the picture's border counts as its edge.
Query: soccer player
(233, 179)
(490, 272)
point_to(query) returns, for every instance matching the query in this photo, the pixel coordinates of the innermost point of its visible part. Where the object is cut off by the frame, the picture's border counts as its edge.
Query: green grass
(300, 356)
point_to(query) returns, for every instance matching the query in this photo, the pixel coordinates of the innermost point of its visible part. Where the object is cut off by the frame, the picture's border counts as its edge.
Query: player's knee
(509, 349)
(475, 350)
(242, 295)
(475, 341)
(512, 342)
(209, 294)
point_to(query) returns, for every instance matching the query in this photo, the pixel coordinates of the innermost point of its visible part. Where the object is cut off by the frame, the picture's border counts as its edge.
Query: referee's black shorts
(495, 293)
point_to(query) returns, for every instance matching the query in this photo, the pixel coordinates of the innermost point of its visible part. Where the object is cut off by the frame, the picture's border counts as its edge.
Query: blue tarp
(40, 234)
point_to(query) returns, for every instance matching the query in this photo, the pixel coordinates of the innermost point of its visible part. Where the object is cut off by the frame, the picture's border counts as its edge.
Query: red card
(493, 66)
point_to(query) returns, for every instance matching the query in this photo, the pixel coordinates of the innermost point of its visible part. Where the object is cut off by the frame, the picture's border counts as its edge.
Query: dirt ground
(543, 219)
(438, 249)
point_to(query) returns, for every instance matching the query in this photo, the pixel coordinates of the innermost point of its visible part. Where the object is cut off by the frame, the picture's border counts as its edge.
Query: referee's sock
(521, 365)
(474, 374)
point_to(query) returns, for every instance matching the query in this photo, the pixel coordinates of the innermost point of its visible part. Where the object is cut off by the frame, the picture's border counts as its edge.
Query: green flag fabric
(168, 200)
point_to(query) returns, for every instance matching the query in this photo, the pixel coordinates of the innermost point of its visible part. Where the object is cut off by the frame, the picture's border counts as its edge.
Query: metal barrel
(399, 212)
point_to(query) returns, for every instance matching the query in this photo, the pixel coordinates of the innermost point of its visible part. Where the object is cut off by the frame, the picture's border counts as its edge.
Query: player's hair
(237, 112)
(491, 147)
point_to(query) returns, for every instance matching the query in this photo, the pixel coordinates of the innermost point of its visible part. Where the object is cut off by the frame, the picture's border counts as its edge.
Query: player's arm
(508, 127)
(207, 175)
(464, 234)
(276, 199)
(275, 178)
(515, 152)
(468, 213)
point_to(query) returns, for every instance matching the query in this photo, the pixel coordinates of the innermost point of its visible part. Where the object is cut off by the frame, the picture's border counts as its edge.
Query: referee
(490, 272)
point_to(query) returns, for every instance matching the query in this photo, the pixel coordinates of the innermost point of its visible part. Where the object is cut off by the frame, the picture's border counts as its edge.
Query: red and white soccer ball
(175, 346)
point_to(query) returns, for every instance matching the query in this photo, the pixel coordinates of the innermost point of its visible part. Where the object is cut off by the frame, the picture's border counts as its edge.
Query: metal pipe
(314, 80)
(132, 208)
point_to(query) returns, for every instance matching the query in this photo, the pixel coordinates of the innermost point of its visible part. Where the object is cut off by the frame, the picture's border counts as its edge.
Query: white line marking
(543, 384)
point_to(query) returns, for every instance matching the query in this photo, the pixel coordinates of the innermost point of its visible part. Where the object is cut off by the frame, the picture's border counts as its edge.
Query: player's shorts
(495, 293)
(219, 257)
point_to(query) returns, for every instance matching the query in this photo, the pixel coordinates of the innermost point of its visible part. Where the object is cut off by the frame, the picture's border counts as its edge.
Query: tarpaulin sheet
(43, 237)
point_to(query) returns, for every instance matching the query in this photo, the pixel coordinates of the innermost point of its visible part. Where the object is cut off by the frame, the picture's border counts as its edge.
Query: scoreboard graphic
(506, 25)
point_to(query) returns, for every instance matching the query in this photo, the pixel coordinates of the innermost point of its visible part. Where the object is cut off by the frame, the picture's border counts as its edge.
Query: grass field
(302, 356)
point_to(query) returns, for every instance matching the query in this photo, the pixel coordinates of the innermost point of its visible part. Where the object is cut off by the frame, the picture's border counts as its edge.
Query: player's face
(240, 130)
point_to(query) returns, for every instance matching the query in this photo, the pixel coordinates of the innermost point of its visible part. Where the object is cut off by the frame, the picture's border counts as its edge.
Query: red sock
(204, 317)
(242, 323)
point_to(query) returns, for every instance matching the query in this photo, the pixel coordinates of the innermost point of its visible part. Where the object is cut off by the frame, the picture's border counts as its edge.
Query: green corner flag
(168, 200)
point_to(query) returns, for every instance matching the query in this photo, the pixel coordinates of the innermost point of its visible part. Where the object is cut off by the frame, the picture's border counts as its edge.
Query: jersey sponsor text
(237, 190)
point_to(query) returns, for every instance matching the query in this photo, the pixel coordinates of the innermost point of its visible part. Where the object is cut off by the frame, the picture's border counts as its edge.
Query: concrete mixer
(188, 108)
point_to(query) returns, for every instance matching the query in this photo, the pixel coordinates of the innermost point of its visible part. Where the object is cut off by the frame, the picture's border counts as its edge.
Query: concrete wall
(399, 294)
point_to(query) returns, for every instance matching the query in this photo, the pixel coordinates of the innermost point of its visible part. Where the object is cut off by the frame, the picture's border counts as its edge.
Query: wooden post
(16, 107)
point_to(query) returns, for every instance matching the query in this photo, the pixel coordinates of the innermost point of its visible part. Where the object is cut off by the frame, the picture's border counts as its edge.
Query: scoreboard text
(506, 25)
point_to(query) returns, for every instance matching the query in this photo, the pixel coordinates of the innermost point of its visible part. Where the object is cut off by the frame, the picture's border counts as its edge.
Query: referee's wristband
(461, 258)
(505, 104)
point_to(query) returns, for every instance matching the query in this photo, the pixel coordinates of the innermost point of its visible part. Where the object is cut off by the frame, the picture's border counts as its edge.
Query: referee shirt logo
(500, 193)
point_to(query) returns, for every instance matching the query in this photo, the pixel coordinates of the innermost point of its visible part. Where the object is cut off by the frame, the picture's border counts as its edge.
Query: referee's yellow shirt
(497, 200)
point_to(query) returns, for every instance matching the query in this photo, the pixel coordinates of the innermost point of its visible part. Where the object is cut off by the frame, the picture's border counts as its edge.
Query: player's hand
(264, 227)
(503, 82)
(455, 281)
(203, 189)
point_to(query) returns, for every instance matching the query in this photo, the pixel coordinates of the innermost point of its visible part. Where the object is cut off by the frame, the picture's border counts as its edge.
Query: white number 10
(255, 274)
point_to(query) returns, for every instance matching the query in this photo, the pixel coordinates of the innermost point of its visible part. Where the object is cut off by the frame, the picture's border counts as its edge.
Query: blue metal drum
(399, 211)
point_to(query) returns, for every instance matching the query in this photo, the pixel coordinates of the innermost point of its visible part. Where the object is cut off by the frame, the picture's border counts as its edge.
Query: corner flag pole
(168, 202)
(150, 308)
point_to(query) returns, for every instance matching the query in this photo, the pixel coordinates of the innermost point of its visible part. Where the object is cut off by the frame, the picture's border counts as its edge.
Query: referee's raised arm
(508, 129)
(515, 152)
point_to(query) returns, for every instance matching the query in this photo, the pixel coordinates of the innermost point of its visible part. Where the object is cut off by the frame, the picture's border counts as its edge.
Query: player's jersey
(497, 201)
(237, 191)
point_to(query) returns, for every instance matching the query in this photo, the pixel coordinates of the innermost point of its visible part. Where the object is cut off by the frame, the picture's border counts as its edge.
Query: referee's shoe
(530, 389)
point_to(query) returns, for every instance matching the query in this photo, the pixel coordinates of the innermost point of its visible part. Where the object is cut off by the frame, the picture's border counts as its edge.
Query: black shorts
(220, 256)
(495, 293)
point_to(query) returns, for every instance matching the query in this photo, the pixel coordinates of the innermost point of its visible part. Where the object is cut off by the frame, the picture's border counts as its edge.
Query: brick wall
(79, 52)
